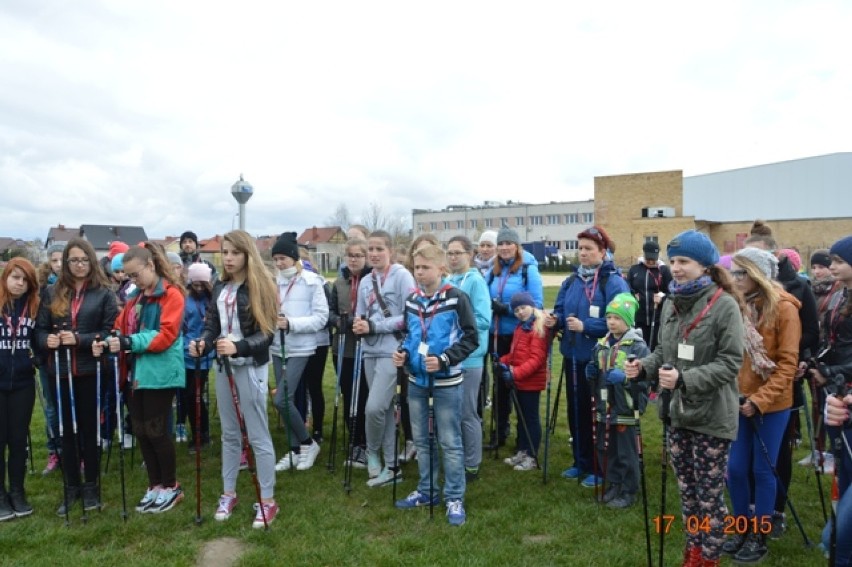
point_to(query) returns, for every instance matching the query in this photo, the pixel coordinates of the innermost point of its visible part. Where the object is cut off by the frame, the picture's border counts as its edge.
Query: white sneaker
(515, 459)
(526, 464)
(307, 455)
(374, 464)
(409, 453)
(387, 476)
(284, 463)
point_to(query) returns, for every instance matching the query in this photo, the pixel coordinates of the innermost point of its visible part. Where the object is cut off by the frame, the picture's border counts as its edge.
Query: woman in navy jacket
(580, 313)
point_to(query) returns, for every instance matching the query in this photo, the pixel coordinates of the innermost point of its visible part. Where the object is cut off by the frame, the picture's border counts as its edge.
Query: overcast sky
(145, 112)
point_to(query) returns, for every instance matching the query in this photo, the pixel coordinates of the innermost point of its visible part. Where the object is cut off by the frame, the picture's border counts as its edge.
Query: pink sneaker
(226, 507)
(269, 509)
(52, 464)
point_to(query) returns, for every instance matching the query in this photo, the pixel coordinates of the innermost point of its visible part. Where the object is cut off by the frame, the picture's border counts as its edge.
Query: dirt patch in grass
(222, 552)
(538, 539)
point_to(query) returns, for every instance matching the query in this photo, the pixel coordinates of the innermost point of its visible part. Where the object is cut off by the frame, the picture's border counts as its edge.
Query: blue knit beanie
(695, 245)
(843, 248)
(117, 262)
(522, 298)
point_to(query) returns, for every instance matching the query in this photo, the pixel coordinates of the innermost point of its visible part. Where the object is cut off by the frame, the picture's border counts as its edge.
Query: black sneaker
(779, 525)
(753, 550)
(90, 496)
(18, 500)
(733, 544)
(622, 501)
(6, 511)
(610, 494)
(71, 496)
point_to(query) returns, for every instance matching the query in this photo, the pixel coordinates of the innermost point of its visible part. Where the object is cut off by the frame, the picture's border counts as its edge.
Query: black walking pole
(665, 400)
(197, 436)
(818, 472)
(554, 415)
(778, 482)
(72, 402)
(576, 402)
(397, 414)
(634, 386)
(513, 395)
(432, 445)
(225, 360)
(98, 424)
(341, 349)
(547, 410)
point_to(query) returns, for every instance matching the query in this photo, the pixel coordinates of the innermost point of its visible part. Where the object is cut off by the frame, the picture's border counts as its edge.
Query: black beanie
(286, 245)
(821, 257)
(190, 235)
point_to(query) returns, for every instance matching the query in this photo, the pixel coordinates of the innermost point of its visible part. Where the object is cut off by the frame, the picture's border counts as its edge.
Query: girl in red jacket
(524, 370)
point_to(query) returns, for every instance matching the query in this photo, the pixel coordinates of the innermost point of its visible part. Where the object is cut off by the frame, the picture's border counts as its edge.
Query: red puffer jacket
(528, 359)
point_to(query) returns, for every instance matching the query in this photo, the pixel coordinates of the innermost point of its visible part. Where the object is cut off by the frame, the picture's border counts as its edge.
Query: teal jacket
(153, 323)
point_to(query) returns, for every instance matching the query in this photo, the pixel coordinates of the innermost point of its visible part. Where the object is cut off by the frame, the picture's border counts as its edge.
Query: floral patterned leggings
(700, 462)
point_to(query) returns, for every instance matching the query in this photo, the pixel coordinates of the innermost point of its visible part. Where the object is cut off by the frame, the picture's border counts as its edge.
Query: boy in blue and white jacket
(441, 334)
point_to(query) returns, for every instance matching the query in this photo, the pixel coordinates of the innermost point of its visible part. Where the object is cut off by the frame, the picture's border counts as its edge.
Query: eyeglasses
(355, 256)
(738, 274)
(456, 252)
(135, 275)
(84, 260)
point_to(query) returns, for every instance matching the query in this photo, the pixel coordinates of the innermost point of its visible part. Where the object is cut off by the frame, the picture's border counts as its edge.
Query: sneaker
(6, 511)
(180, 433)
(307, 456)
(387, 476)
(571, 473)
(753, 550)
(148, 499)
(374, 464)
(527, 464)
(226, 507)
(243, 460)
(733, 544)
(455, 513)
(358, 460)
(515, 459)
(779, 525)
(592, 481)
(52, 464)
(415, 500)
(166, 499)
(471, 474)
(611, 493)
(622, 501)
(268, 511)
(18, 501)
(284, 463)
(409, 453)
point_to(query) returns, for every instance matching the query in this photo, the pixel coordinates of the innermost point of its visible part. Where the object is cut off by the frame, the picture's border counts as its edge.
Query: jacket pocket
(691, 411)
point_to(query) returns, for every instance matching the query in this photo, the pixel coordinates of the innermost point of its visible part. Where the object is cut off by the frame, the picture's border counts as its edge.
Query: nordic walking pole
(634, 386)
(30, 450)
(120, 421)
(353, 418)
(432, 446)
(98, 414)
(61, 429)
(513, 395)
(226, 361)
(495, 393)
(341, 349)
(576, 401)
(607, 417)
(778, 482)
(665, 400)
(547, 409)
(197, 437)
(287, 427)
(73, 403)
(551, 423)
(397, 413)
(818, 472)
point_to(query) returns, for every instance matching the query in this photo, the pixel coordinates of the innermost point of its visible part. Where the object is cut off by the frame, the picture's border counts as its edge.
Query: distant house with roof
(100, 236)
(327, 245)
(210, 249)
(60, 235)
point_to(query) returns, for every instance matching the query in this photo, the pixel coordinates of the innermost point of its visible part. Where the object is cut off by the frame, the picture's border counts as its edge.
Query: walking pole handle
(665, 396)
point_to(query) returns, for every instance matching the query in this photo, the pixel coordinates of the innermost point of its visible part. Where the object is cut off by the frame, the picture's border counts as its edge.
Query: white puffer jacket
(304, 304)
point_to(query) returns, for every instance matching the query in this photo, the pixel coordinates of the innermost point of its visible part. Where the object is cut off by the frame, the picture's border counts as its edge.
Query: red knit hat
(117, 247)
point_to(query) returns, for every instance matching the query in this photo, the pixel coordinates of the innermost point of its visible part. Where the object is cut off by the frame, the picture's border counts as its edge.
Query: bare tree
(340, 217)
(375, 218)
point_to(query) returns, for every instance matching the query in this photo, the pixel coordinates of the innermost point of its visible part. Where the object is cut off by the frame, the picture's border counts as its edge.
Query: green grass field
(513, 518)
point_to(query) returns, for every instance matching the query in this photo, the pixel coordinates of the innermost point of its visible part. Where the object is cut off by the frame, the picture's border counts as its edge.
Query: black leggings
(312, 378)
(503, 404)
(187, 404)
(16, 410)
(149, 412)
(85, 443)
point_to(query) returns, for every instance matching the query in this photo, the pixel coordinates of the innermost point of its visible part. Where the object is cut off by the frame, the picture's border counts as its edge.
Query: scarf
(822, 287)
(587, 272)
(690, 287)
(760, 361)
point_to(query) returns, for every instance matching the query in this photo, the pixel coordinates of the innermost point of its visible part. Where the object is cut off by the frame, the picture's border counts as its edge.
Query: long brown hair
(64, 286)
(32, 285)
(263, 296)
(516, 265)
(722, 278)
(767, 290)
(153, 252)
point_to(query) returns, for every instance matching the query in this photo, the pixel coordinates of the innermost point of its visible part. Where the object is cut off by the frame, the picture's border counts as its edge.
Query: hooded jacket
(708, 402)
(502, 287)
(620, 396)
(528, 357)
(473, 284)
(395, 285)
(304, 304)
(17, 341)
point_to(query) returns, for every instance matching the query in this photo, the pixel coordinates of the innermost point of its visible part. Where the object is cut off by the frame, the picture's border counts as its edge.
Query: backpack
(524, 275)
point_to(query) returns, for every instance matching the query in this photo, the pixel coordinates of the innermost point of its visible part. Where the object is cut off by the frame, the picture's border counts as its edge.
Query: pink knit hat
(199, 272)
(793, 256)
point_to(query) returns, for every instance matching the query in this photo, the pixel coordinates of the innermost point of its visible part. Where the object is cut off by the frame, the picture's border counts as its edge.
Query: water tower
(242, 192)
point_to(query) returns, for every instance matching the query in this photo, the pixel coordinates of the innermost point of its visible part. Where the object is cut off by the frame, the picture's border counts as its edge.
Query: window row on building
(497, 222)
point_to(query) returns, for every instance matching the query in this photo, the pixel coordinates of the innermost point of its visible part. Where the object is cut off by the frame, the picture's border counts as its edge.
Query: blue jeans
(747, 453)
(51, 418)
(530, 413)
(448, 408)
(844, 507)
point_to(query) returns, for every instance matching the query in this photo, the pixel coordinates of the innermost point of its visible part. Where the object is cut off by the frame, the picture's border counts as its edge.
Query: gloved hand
(505, 373)
(500, 308)
(615, 377)
(592, 371)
